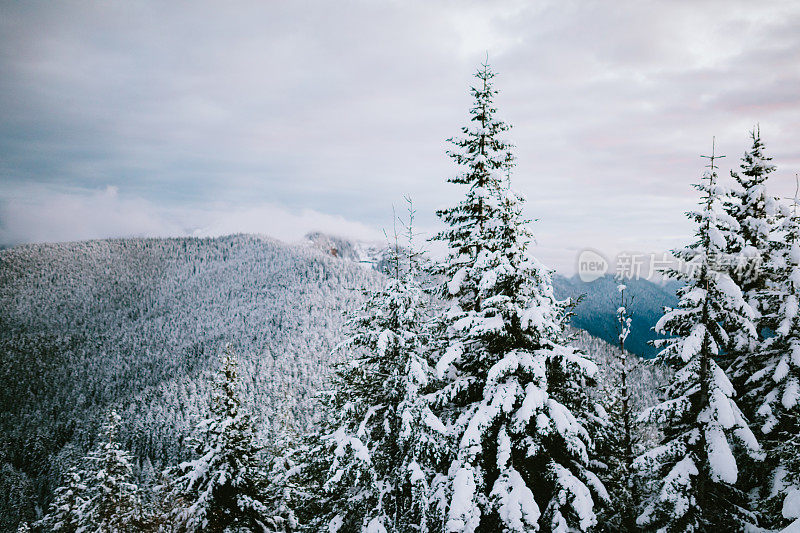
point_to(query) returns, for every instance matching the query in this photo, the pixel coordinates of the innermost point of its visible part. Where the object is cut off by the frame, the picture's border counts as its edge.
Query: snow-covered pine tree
(789, 487)
(755, 256)
(287, 482)
(753, 214)
(617, 443)
(510, 390)
(64, 515)
(283, 487)
(112, 498)
(695, 469)
(762, 243)
(221, 489)
(773, 380)
(380, 440)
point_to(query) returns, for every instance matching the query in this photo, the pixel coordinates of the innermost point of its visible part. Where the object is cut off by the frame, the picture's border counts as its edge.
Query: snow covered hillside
(139, 325)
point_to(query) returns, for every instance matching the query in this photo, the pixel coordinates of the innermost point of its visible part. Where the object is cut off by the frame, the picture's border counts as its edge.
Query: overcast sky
(196, 118)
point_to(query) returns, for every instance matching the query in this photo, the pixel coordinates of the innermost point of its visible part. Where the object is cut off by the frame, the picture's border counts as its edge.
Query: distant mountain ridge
(596, 312)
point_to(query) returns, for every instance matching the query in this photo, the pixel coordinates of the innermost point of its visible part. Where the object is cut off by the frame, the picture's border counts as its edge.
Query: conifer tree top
(755, 166)
(753, 214)
(222, 486)
(486, 160)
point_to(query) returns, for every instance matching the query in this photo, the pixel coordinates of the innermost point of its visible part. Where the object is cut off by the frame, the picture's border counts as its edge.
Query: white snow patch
(454, 285)
(791, 504)
(517, 508)
(375, 526)
(464, 514)
(791, 395)
(335, 524)
(720, 456)
(452, 354)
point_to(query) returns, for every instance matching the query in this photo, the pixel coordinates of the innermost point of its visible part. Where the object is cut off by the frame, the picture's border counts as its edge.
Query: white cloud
(37, 214)
(282, 223)
(42, 214)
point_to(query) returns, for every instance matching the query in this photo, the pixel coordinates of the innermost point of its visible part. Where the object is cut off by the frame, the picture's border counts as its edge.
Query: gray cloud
(341, 108)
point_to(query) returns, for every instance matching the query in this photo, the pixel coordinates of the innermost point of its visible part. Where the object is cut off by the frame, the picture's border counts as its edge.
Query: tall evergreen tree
(222, 488)
(510, 390)
(486, 158)
(380, 441)
(751, 256)
(695, 466)
(762, 242)
(773, 380)
(112, 498)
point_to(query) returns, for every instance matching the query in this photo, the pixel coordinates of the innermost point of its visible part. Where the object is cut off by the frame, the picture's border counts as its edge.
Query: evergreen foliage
(486, 159)
(619, 439)
(753, 214)
(112, 499)
(771, 379)
(65, 510)
(221, 489)
(695, 469)
(510, 391)
(376, 457)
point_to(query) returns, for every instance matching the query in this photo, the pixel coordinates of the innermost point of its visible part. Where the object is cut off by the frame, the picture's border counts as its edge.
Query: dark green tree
(509, 388)
(620, 437)
(694, 469)
(223, 486)
(112, 498)
(64, 514)
(771, 381)
(372, 466)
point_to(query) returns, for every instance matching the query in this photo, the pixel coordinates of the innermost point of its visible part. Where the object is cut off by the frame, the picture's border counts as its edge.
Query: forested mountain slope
(139, 324)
